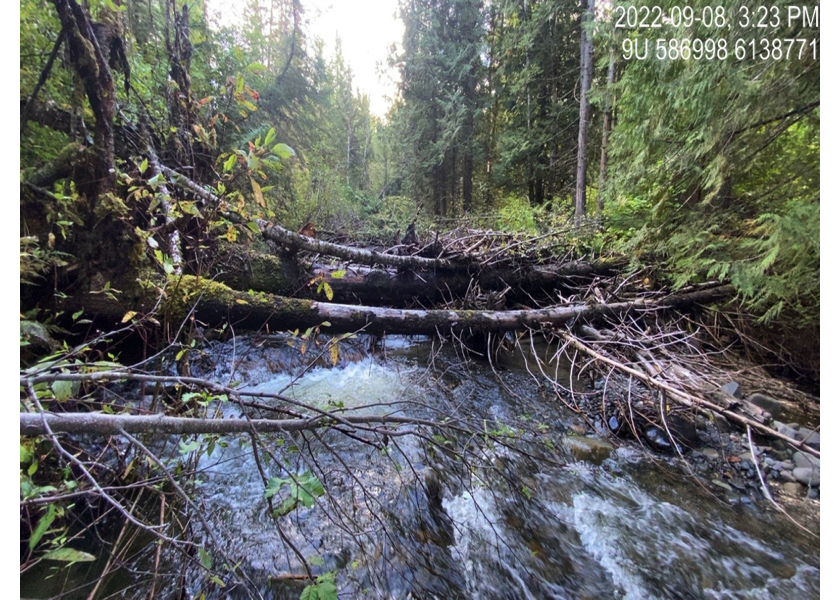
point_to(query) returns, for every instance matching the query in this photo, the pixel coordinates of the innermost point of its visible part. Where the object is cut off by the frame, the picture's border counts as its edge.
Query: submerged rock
(589, 449)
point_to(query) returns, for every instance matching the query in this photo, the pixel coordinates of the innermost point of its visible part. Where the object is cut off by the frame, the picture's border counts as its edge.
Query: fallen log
(214, 303)
(362, 256)
(546, 276)
(241, 268)
(109, 424)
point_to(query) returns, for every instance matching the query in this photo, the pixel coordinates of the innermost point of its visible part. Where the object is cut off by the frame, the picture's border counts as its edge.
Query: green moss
(185, 290)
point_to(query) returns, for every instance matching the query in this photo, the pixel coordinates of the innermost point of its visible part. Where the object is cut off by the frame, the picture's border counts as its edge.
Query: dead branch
(689, 400)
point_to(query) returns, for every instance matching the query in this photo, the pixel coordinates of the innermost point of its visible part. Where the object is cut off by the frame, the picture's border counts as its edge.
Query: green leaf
(69, 555)
(187, 448)
(64, 389)
(328, 291)
(229, 163)
(323, 588)
(283, 151)
(205, 559)
(143, 165)
(285, 508)
(338, 274)
(269, 137)
(274, 485)
(309, 488)
(25, 454)
(42, 526)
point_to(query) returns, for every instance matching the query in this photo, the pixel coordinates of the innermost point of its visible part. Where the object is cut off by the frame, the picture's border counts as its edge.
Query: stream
(519, 518)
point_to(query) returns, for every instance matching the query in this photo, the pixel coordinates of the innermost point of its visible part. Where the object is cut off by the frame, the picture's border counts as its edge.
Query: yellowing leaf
(258, 192)
(334, 354)
(128, 316)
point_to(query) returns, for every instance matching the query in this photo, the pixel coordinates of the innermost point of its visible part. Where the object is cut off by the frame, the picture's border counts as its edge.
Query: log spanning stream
(522, 517)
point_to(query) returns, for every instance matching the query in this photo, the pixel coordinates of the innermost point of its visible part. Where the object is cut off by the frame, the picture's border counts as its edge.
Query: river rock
(793, 488)
(802, 460)
(733, 388)
(684, 430)
(589, 449)
(784, 429)
(806, 476)
(710, 453)
(722, 424)
(785, 465)
(771, 405)
(787, 476)
(722, 485)
(811, 437)
(657, 438)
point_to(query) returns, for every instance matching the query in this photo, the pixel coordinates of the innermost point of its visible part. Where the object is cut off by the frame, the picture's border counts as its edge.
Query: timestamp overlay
(718, 32)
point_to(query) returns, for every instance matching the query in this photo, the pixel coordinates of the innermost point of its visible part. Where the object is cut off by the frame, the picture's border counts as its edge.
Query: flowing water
(506, 512)
(520, 519)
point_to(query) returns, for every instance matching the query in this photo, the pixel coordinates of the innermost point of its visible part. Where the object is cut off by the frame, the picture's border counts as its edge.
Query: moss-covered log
(215, 303)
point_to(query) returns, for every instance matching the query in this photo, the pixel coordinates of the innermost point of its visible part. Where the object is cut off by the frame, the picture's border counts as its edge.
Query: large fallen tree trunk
(362, 256)
(214, 303)
(243, 269)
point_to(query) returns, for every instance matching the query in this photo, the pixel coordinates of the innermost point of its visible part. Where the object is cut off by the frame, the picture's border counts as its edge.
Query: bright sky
(366, 29)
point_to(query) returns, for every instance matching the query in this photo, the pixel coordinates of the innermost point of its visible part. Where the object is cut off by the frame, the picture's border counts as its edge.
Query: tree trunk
(247, 270)
(91, 64)
(605, 136)
(583, 130)
(214, 303)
